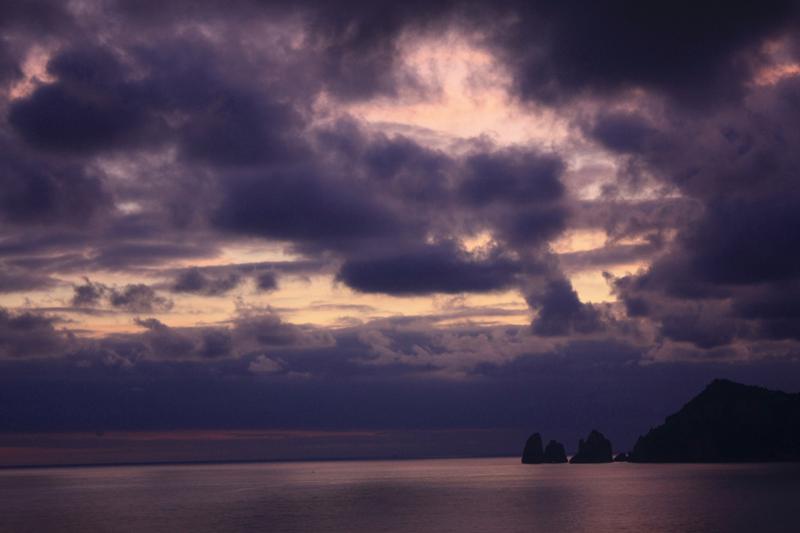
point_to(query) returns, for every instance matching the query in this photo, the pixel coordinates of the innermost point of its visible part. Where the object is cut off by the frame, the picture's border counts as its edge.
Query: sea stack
(533, 454)
(554, 453)
(595, 449)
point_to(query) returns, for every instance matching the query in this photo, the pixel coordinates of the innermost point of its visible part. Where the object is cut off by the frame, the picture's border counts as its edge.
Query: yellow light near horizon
(592, 286)
(322, 301)
(579, 241)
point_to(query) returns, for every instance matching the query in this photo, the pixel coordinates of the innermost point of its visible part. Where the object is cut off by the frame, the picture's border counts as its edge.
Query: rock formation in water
(554, 453)
(595, 449)
(533, 454)
(727, 422)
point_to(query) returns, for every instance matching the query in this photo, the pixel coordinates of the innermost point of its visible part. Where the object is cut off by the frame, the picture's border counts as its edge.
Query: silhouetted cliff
(727, 422)
(533, 454)
(595, 449)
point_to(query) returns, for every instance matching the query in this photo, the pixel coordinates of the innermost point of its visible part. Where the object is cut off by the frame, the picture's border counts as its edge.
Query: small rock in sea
(554, 453)
(533, 454)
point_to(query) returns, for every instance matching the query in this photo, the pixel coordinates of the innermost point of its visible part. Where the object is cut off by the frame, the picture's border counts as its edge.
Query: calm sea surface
(459, 495)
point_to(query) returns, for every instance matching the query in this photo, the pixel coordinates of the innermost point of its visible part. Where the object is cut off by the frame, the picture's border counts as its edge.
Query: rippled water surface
(459, 495)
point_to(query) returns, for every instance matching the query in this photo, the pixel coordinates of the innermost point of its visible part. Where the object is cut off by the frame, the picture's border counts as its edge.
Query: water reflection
(404, 496)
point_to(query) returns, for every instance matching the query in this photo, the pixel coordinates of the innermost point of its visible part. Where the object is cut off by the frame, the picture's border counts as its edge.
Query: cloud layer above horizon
(285, 202)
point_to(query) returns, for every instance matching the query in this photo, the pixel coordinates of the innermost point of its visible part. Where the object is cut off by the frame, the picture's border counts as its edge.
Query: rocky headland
(727, 422)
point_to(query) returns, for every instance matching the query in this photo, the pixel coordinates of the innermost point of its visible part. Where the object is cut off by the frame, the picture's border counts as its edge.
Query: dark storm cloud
(195, 281)
(517, 192)
(411, 170)
(266, 281)
(239, 129)
(695, 53)
(84, 249)
(552, 50)
(720, 281)
(138, 298)
(533, 226)
(352, 196)
(429, 269)
(560, 311)
(780, 300)
(36, 15)
(9, 68)
(609, 255)
(361, 53)
(216, 343)
(335, 191)
(267, 329)
(165, 343)
(748, 240)
(20, 280)
(621, 218)
(772, 310)
(224, 120)
(28, 334)
(736, 150)
(322, 203)
(157, 342)
(303, 206)
(37, 190)
(512, 176)
(88, 108)
(555, 50)
(684, 311)
(351, 46)
(220, 280)
(97, 103)
(297, 267)
(138, 253)
(700, 329)
(246, 338)
(260, 342)
(623, 132)
(189, 92)
(88, 294)
(671, 277)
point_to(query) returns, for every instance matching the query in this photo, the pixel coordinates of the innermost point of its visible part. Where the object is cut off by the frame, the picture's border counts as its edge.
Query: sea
(434, 495)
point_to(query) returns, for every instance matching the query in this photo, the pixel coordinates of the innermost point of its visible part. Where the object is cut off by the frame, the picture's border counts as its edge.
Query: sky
(350, 228)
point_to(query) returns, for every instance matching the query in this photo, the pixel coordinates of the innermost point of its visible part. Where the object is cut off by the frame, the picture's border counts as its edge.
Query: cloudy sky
(361, 221)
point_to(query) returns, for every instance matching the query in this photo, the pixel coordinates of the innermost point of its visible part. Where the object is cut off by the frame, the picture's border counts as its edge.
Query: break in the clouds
(262, 196)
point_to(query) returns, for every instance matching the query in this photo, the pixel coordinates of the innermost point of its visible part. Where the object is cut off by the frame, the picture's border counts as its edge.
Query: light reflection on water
(458, 495)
